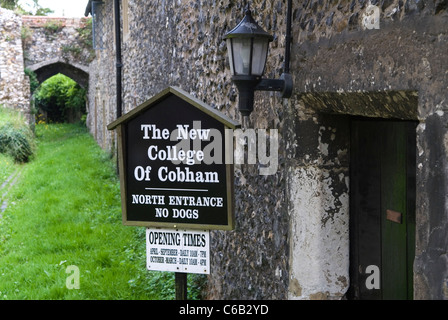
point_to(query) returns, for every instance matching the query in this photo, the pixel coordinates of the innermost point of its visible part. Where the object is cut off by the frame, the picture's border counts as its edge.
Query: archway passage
(47, 69)
(60, 99)
(61, 109)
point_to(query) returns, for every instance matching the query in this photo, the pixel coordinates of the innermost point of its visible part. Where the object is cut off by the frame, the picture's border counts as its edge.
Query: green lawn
(65, 211)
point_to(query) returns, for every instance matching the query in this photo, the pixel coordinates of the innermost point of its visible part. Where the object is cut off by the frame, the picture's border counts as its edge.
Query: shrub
(16, 138)
(59, 97)
(34, 83)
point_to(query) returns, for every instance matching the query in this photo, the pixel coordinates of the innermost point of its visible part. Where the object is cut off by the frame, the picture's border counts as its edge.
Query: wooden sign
(172, 152)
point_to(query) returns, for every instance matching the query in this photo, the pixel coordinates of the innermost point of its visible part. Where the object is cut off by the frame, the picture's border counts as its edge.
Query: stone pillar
(318, 201)
(14, 84)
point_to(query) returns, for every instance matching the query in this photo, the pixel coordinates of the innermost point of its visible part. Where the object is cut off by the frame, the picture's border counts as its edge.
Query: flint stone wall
(292, 235)
(45, 45)
(14, 85)
(56, 45)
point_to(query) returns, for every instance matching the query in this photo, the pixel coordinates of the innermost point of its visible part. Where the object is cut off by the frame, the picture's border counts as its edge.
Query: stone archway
(54, 46)
(49, 68)
(45, 45)
(57, 45)
(51, 109)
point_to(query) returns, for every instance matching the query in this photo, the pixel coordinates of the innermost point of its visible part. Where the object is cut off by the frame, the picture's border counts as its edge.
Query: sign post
(179, 251)
(173, 175)
(181, 285)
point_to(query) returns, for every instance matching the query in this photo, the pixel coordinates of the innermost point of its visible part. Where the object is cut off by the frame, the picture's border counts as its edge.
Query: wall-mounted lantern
(247, 46)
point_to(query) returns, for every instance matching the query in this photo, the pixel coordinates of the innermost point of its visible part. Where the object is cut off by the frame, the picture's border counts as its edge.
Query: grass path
(5, 187)
(65, 211)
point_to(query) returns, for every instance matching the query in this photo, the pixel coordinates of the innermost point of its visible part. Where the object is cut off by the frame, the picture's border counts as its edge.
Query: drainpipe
(288, 36)
(118, 62)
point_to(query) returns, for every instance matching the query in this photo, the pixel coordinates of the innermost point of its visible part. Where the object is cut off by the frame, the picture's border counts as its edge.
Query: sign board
(178, 250)
(173, 173)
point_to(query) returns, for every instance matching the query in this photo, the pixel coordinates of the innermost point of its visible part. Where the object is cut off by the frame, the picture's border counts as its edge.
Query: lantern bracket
(284, 85)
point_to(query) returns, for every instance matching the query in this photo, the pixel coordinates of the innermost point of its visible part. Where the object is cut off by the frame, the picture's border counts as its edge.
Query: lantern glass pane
(230, 53)
(260, 53)
(241, 55)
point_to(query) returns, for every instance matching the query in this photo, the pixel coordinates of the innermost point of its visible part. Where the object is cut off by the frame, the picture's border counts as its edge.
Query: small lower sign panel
(393, 216)
(178, 250)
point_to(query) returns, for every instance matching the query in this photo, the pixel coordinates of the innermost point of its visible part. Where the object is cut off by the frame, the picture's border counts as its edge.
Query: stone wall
(14, 85)
(57, 45)
(45, 45)
(180, 43)
(102, 93)
(397, 71)
(49, 37)
(292, 228)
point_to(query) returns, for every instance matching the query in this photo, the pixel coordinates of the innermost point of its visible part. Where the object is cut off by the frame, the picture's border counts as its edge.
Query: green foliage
(26, 34)
(85, 33)
(75, 50)
(14, 5)
(43, 11)
(8, 4)
(16, 138)
(53, 26)
(83, 43)
(34, 83)
(59, 94)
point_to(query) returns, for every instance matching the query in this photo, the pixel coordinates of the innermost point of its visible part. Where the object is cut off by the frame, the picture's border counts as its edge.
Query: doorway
(382, 208)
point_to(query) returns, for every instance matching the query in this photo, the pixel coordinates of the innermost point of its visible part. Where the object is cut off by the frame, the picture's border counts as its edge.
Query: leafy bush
(34, 83)
(16, 138)
(60, 97)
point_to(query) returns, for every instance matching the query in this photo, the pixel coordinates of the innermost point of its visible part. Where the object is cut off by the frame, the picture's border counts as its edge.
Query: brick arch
(49, 68)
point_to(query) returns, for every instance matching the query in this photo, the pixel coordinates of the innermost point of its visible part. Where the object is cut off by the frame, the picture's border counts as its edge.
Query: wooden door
(382, 209)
